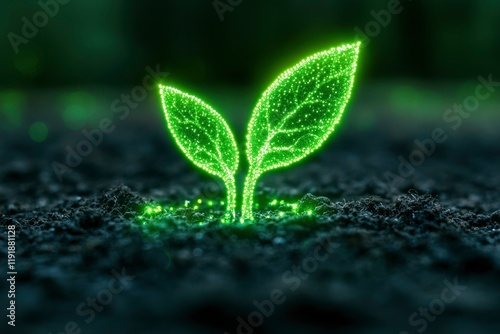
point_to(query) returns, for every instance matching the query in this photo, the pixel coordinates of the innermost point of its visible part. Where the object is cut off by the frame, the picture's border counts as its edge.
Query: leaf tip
(356, 46)
(162, 89)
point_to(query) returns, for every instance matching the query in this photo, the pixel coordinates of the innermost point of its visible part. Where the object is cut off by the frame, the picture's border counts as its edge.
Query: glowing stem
(231, 196)
(248, 190)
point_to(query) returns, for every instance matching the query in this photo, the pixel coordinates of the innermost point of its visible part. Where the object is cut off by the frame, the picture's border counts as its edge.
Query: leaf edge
(163, 90)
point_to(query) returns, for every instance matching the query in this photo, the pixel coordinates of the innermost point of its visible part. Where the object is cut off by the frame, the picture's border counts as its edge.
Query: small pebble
(495, 216)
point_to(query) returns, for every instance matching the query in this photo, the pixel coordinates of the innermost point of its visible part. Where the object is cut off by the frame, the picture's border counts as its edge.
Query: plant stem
(231, 196)
(248, 190)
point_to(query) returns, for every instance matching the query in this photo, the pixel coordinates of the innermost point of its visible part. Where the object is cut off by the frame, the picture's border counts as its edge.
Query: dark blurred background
(110, 42)
(427, 57)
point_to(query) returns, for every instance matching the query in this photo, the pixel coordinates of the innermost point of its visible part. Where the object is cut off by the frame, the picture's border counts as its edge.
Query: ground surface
(394, 250)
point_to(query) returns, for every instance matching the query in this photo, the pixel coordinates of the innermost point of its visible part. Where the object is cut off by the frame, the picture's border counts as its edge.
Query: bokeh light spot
(11, 107)
(38, 132)
(77, 108)
(75, 116)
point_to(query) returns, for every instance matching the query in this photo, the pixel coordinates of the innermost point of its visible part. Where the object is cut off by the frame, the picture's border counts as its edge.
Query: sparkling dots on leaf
(203, 136)
(297, 113)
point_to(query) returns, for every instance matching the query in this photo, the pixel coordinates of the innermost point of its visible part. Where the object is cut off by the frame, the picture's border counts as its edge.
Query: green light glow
(204, 137)
(75, 117)
(77, 108)
(38, 132)
(297, 113)
(12, 108)
(406, 98)
(292, 119)
(153, 213)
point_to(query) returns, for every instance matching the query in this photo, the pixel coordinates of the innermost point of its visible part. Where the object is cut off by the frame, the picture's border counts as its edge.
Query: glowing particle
(274, 202)
(281, 214)
(294, 206)
(203, 136)
(158, 208)
(186, 203)
(150, 209)
(221, 202)
(171, 208)
(38, 132)
(210, 203)
(199, 201)
(297, 113)
(196, 207)
(309, 212)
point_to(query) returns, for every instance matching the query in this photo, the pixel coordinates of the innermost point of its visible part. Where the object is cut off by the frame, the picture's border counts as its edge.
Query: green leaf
(300, 109)
(298, 112)
(203, 136)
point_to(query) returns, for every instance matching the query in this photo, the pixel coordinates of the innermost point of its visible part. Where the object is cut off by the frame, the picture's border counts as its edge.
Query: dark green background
(426, 59)
(110, 42)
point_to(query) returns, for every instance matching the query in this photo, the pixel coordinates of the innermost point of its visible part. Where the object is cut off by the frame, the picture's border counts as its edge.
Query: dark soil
(394, 249)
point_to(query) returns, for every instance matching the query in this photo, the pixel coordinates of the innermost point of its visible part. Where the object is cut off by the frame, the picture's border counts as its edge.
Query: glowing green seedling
(292, 119)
